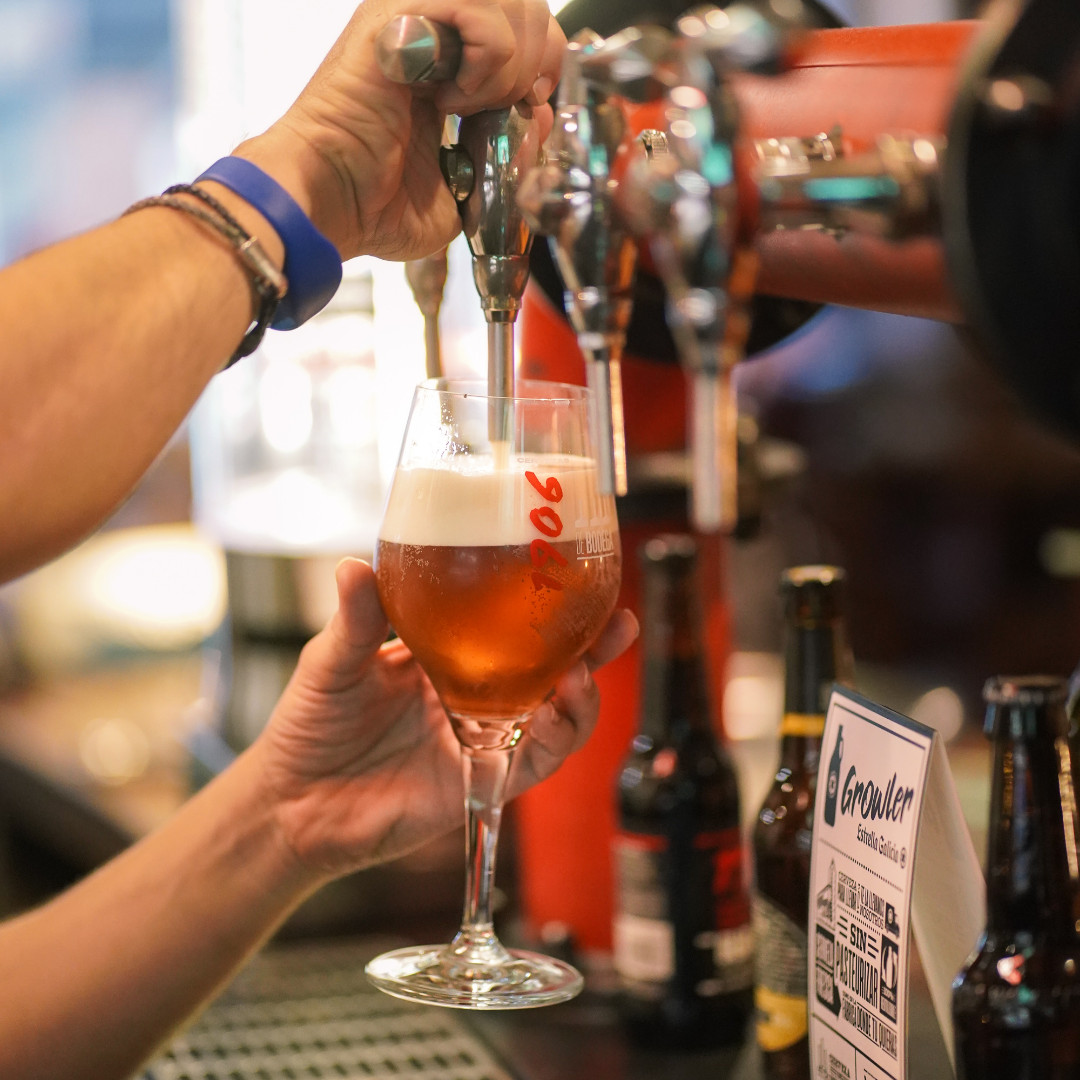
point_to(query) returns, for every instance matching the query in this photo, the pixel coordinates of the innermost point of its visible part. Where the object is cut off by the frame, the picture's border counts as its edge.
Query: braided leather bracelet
(268, 284)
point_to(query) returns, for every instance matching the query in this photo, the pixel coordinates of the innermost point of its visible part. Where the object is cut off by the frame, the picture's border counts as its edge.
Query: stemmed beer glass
(498, 564)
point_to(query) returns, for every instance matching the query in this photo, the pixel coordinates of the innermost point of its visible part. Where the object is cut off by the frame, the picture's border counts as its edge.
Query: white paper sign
(873, 792)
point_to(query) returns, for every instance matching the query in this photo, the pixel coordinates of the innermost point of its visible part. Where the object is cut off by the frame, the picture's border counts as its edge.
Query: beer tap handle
(414, 49)
(427, 279)
(502, 146)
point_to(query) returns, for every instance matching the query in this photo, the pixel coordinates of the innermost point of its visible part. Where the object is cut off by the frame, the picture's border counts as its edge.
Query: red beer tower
(867, 82)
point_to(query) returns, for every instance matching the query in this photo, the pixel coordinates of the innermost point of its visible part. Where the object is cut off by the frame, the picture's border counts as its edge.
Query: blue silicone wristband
(312, 264)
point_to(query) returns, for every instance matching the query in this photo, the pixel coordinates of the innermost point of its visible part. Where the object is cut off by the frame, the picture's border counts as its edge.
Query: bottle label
(805, 725)
(779, 976)
(720, 944)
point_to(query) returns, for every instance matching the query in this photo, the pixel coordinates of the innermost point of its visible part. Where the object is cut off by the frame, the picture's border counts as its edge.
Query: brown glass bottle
(1016, 1004)
(683, 941)
(816, 655)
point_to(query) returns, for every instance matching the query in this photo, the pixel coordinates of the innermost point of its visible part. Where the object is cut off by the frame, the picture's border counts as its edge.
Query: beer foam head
(468, 502)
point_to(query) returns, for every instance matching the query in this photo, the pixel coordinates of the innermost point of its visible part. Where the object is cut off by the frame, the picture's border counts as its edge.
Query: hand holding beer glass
(498, 564)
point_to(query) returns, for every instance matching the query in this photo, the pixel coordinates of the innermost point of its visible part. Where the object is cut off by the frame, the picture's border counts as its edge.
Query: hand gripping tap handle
(500, 146)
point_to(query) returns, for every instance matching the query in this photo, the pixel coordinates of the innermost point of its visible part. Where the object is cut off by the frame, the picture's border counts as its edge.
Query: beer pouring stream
(484, 170)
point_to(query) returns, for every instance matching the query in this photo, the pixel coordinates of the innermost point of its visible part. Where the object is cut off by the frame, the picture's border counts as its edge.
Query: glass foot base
(434, 975)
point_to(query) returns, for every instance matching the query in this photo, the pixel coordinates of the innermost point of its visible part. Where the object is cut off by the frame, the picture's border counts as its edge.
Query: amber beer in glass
(494, 624)
(1016, 1004)
(816, 655)
(498, 564)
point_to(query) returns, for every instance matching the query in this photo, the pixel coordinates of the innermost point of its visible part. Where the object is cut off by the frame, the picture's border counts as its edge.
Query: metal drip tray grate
(304, 1013)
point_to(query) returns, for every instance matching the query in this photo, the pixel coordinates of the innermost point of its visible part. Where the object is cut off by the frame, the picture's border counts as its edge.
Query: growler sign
(873, 772)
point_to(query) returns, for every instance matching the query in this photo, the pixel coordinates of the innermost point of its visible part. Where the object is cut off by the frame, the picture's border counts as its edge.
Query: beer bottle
(1016, 1004)
(816, 655)
(683, 940)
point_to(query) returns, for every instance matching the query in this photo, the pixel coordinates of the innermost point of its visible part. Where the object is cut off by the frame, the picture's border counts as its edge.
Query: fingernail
(542, 89)
(587, 675)
(342, 564)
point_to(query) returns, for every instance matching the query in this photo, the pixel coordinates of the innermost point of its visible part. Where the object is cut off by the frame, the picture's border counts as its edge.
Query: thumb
(356, 631)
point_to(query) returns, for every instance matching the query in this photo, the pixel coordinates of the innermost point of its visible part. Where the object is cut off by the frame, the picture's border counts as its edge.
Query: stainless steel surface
(309, 1012)
(604, 413)
(685, 202)
(683, 196)
(500, 380)
(654, 143)
(484, 170)
(415, 49)
(572, 201)
(714, 483)
(892, 192)
(744, 37)
(427, 279)
(502, 145)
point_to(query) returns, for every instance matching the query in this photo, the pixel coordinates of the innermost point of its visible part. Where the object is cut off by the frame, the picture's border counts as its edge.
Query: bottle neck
(816, 656)
(1032, 860)
(800, 753)
(675, 697)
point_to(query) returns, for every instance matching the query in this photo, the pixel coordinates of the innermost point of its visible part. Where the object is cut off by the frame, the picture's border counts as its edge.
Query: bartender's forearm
(94, 981)
(107, 340)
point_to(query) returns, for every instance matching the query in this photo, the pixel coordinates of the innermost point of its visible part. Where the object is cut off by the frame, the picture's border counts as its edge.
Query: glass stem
(485, 787)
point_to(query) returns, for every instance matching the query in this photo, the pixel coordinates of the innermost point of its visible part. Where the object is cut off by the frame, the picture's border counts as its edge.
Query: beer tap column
(686, 202)
(484, 170)
(572, 200)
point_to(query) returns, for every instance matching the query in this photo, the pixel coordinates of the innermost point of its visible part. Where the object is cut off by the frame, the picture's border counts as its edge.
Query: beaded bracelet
(268, 284)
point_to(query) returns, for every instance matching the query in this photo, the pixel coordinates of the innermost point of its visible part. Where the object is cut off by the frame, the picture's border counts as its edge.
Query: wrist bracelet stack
(268, 283)
(280, 299)
(312, 263)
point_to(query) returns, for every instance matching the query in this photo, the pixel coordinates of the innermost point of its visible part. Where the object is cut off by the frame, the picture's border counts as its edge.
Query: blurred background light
(753, 695)
(1059, 552)
(153, 589)
(940, 709)
(114, 751)
(285, 405)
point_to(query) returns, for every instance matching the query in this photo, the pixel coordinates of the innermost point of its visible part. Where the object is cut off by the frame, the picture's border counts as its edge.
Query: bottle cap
(1024, 697)
(1024, 690)
(812, 593)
